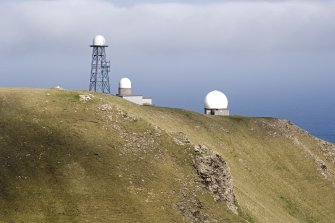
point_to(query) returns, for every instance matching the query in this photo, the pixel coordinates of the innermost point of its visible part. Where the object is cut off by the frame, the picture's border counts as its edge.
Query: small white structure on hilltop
(58, 87)
(125, 92)
(125, 87)
(216, 103)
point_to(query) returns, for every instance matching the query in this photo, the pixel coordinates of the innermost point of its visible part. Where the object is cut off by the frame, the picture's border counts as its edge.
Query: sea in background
(323, 129)
(319, 122)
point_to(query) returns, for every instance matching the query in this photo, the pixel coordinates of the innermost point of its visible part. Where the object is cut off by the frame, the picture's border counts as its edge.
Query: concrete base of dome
(124, 91)
(222, 112)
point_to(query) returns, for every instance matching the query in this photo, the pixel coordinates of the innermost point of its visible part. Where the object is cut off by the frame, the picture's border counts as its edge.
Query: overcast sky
(271, 58)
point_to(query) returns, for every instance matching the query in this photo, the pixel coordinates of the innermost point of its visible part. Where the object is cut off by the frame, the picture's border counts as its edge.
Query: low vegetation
(74, 156)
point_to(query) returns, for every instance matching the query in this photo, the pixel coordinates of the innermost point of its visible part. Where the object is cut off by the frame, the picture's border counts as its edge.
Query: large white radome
(125, 83)
(99, 41)
(216, 100)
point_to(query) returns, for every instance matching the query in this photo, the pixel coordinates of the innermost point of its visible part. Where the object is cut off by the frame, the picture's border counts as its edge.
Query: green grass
(295, 210)
(63, 160)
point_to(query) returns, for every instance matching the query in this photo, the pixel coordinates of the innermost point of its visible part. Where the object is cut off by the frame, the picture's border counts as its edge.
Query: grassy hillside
(71, 158)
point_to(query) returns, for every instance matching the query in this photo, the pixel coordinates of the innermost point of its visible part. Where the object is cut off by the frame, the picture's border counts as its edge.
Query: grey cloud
(173, 27)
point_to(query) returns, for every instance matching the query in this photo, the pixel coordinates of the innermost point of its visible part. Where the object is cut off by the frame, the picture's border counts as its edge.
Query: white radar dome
(125, 83)
(99, 41)
(216, 100)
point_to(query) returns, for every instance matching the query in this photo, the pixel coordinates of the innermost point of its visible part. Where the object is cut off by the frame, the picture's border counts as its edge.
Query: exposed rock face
(215, 175)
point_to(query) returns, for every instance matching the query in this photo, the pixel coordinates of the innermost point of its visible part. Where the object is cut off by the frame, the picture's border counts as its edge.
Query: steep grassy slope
(108, 160)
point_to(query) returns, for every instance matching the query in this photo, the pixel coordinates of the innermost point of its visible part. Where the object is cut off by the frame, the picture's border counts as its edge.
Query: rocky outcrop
(291, 131)
(85, 97)
(215, 175)
(180, 138)
(192, 209)
(328, 149)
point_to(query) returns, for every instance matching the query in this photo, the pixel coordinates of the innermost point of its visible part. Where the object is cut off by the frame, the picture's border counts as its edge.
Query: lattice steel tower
(100, 67)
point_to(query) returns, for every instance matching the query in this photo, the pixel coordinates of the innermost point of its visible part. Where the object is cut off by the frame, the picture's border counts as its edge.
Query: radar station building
(216, 103)
(125, 92)
(100, 66)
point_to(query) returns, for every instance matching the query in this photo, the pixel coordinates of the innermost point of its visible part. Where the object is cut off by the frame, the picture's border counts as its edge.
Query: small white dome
(99, 41)
(125, 83)
(216, 100)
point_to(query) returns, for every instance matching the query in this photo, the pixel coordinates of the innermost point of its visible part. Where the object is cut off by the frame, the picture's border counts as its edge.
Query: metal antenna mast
(100, 67)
